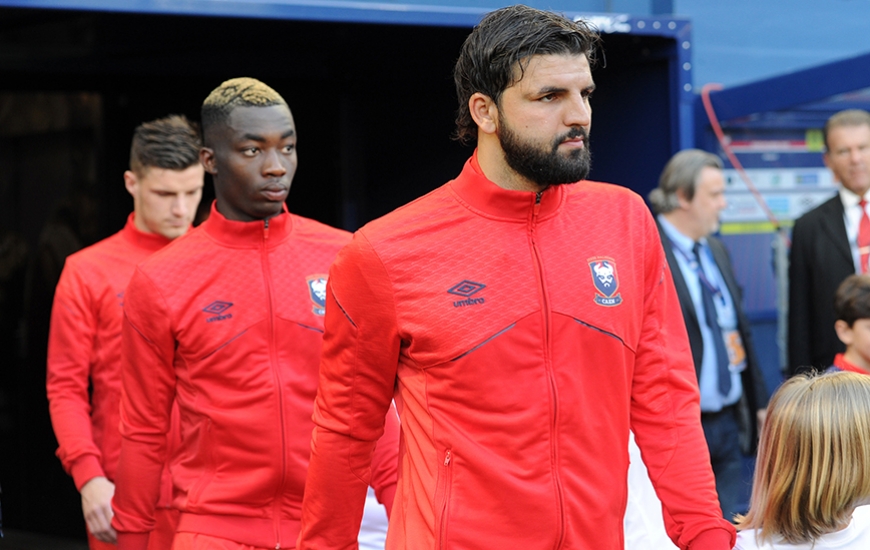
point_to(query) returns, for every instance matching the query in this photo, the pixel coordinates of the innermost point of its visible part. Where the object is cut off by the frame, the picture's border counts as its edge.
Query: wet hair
(237, 92)
(171, 143)
(852, 300)
(849, 117)
(813, 464)
(496, 53)
(681, 173)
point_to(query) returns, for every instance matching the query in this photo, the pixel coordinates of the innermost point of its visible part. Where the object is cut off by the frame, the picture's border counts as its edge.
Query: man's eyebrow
(557, 89)
(551, 90)
(255, 137)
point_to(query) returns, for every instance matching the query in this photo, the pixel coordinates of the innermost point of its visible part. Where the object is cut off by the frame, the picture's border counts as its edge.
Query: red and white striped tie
(864, 237)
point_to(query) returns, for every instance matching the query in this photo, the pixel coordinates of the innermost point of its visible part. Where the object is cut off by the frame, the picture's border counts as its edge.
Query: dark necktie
(864, 237)
(712, 320)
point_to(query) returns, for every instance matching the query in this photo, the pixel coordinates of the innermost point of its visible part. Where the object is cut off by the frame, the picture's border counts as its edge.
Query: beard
(542, 166)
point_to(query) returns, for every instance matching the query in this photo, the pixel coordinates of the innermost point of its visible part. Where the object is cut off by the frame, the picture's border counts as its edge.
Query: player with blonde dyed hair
(237, 92)
(228, 324)
(813, 472)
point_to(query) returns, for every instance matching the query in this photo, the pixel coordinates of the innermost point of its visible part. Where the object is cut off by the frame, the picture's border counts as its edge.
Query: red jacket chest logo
(606, 281)
(218, 310)
(467, 289)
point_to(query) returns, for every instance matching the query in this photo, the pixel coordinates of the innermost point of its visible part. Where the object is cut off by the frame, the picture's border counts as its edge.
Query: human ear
(131, 182)
(844, 331)
(684, 203)
(484, 111)
(207, 159)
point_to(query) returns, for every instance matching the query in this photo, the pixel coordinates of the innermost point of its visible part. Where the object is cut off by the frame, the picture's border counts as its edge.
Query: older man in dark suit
(688, 201)
(829, 243)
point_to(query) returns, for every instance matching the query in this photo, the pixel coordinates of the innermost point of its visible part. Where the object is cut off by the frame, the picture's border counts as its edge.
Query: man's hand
(97, 508)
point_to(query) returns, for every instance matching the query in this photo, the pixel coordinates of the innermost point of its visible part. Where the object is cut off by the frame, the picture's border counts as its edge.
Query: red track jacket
(525, 334)
(228, 320)
(84, 347)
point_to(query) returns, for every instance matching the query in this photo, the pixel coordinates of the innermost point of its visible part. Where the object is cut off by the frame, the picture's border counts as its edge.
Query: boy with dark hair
(84, 349)
(228, 323)
(852, 308)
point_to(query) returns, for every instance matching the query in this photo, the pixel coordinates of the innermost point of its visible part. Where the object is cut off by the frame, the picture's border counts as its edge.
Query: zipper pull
(538, 196)
(447, 459)
(266, 238)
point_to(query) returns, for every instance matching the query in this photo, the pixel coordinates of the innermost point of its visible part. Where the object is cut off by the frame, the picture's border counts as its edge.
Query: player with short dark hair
(165, 180)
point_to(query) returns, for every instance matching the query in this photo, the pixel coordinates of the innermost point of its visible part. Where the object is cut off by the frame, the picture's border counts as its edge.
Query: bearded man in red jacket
(524, 325)
(84, 349)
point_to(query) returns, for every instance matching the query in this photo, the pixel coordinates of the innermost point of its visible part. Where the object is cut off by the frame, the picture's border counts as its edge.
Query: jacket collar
(842, 363)
(148, 241)
(480, 194)
(270, 232)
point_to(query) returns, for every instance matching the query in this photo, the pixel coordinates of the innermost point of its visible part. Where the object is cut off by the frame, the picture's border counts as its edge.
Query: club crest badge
(606, 281)
(317, 293)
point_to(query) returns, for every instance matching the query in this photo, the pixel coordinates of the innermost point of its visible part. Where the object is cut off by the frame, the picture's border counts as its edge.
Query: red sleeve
(357, 377)
(70, 353)
(148, 391)
(385, 461)
(665, 414)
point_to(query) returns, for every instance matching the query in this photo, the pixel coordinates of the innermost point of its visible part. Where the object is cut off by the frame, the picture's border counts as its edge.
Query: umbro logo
(467, 289)
(217, 308)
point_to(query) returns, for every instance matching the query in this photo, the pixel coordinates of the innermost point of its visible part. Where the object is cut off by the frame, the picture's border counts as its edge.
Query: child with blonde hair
(813, 472)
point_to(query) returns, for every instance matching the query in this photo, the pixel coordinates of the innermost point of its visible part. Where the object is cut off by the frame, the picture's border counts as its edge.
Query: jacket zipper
(276, 373)
(446, 499)
(545, 308)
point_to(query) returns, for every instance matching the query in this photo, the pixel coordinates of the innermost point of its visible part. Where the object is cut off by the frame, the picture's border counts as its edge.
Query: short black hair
(496, 53)
(172, 143)
(236, 92)
(852, 301)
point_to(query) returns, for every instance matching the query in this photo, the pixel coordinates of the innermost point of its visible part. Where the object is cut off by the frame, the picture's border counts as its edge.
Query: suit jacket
(820, 259)
(755, 394)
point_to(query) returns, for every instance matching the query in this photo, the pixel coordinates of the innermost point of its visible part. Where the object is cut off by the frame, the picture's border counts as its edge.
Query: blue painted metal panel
(221, 7)
(446, 13)
(313, 10)
(783, 92)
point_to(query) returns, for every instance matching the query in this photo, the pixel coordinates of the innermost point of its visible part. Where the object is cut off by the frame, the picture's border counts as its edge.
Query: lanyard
(695, 264)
